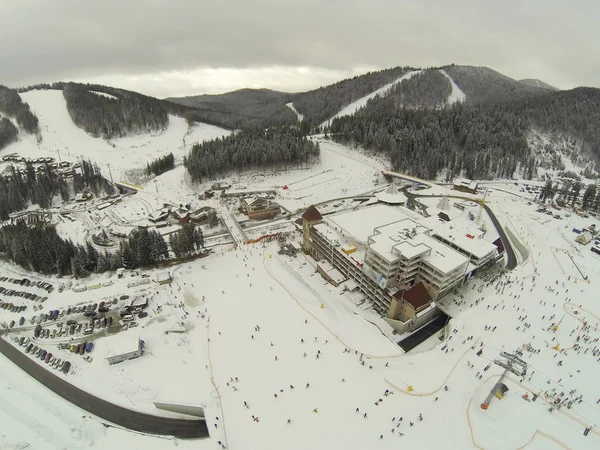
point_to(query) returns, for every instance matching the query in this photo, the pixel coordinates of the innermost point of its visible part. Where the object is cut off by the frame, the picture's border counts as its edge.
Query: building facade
(395, 257)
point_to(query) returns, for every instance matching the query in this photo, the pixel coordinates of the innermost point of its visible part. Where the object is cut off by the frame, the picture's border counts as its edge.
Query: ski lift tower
(511, 363)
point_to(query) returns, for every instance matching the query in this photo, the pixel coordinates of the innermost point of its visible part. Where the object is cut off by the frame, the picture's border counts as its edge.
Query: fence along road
(126, 418)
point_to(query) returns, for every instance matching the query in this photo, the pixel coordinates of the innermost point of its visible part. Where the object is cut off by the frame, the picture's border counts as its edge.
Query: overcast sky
(176, 47)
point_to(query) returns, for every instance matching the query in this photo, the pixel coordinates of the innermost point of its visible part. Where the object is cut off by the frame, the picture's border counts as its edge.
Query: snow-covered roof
(331, 271)
(441, 257)
(471, 184)
(396, 236)
(391, 196)
(458, 232)
(361, 223)
(125, 343)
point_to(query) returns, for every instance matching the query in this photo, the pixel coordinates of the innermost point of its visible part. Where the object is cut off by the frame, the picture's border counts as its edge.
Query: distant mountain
(485, 135)
(245, 107)
(484, 85)
(538, 83)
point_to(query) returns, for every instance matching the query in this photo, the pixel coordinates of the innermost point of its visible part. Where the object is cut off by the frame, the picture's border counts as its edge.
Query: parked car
(53, 334)
(47, 332)
(43, 354)
(12, 323)
(29, 348)
(133, 324)
(89, 347)
(110, 321)
(78, 329)
(47, 358)
(88, 358)
(82, 348)
(127, 318)
(72, 329)
(66, 367)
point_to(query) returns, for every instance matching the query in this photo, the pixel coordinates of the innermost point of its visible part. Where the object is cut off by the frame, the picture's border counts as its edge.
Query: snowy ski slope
(61, 137)
(355, 106)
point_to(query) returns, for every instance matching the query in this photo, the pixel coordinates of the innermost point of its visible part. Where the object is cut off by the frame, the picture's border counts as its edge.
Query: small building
(181, 215)
(139, 302)
(407, 303)
(164, 278)
(201, 215)
(464, 185)
(158, 216)
(259, 208)
(584, 238)
(123, 348)
(391, 196)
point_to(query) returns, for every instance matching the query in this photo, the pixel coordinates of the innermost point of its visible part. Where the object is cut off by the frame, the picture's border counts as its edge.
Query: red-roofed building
(407, 303)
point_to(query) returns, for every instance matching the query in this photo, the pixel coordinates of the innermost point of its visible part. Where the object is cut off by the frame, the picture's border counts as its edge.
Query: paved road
(511, 262)
(126, 418)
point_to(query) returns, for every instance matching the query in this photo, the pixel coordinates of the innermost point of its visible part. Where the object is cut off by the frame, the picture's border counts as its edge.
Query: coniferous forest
(35, 245)
(19, 188)
(277, 147)
(160, 165)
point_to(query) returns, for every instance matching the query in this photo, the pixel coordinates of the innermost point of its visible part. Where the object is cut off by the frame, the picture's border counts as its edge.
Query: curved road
(511, 262)
(127, 418)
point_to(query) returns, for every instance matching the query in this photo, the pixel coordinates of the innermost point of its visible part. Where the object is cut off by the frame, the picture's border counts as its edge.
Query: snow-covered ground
(356, 105)
(223, 360)
(456, 95)
(61, 138)
(236, 290)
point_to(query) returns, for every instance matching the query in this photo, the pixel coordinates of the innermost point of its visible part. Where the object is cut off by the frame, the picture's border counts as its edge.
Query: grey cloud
(67, 39)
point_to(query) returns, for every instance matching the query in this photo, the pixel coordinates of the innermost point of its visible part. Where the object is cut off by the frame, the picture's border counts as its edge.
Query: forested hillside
(108, 117)
(537, 83)
(212, 117)
(323, 103)
(282, 147)
(246, 108)
(483, 138)
(8, 132)
(11, 105)
(484, 141)
(20, 188)
(428, 88)
(484, 85)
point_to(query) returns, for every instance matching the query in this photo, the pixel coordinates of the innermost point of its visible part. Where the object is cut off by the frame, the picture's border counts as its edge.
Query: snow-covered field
(304, 362)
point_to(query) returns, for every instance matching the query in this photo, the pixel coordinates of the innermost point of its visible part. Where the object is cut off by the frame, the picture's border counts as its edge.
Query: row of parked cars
(37, 352)
(22, 294)
(27, 282)
(79, 349)
(12, 307)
